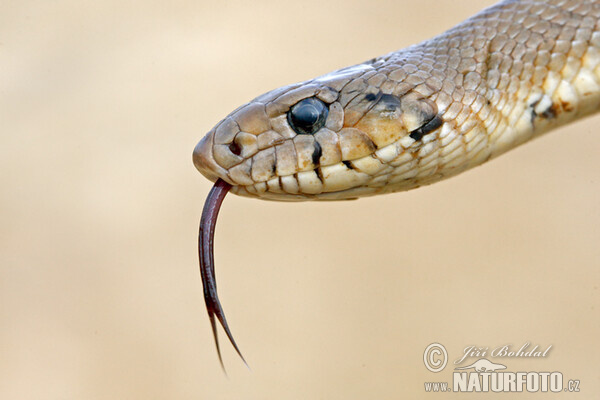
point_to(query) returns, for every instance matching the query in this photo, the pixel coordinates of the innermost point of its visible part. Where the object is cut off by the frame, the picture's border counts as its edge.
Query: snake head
(330, 138)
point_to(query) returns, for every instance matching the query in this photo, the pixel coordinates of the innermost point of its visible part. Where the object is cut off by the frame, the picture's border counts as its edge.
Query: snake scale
(408, 118)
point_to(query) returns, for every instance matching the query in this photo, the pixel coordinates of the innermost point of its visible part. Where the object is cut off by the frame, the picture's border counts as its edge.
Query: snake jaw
(207, 267)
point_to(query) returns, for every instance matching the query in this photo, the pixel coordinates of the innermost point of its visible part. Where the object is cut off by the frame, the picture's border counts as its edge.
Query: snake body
(418, 115)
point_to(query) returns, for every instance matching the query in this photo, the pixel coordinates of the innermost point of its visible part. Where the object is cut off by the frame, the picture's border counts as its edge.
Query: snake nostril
(235, 148)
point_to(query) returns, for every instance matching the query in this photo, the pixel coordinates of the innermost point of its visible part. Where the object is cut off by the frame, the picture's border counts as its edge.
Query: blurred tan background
(101, 104)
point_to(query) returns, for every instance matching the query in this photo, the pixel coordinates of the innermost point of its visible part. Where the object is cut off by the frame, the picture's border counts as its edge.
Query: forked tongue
(207, 265)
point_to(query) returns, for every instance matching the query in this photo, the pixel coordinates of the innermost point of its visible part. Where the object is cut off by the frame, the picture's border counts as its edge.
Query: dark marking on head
(390, 102)
(319, 174)
(370, 97)
(430, 126)
(348, 164)
(235, 148)
(363, 103)
(316, 155)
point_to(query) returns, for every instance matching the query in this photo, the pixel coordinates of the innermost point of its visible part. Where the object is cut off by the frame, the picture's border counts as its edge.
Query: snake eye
(307, 116)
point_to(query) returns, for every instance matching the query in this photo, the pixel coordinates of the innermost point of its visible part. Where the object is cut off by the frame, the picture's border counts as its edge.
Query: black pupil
(308, 116)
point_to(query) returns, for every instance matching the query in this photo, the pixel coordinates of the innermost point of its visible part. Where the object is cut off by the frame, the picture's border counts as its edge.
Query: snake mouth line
(207, 266)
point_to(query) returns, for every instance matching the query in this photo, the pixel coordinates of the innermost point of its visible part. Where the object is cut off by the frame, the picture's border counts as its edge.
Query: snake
(406, 119)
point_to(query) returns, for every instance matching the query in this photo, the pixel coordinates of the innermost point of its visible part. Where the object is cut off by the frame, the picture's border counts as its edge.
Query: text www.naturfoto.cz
(436, 387)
